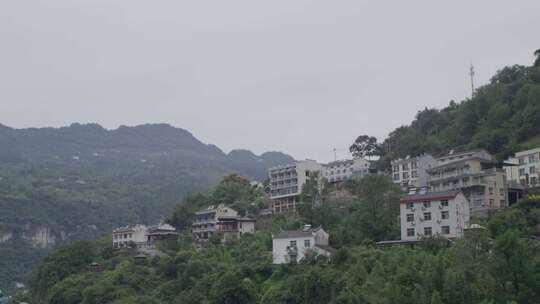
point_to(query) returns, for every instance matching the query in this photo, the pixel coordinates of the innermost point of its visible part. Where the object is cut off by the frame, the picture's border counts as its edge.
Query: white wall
(136, 234)
(246, 227)
(279, 248)
(458, 211)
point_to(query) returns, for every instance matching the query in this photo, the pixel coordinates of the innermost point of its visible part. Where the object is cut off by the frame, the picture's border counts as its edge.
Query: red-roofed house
(434, 213)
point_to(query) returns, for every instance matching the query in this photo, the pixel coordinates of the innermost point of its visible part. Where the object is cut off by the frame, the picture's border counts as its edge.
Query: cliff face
(37, 236)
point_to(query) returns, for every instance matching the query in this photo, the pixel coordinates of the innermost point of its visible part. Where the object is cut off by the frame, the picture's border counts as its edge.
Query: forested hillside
(81, 181)
(500, 264)
(502, 117)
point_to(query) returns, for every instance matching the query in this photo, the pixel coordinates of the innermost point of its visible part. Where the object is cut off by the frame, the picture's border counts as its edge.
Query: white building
(286, 183)
(128, 235)
(526, 169)
(292, 246)
(434, 213)
(221, 221)
(410, 172)
(342, 170)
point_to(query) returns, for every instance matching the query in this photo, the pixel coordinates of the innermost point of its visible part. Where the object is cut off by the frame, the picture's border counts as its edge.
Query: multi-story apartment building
(292, 246)
(286, 183)
(127, 236)
(434, 213)
(342, 170)
(410, 172)
(221, 221)
(526, 168)
(476, 174)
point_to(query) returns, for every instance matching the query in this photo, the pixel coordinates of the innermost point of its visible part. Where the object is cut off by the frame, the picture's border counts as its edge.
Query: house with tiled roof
(293, 245)
(427, 214)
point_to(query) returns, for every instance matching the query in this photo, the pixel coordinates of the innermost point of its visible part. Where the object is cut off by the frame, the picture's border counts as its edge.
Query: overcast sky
(296, 76)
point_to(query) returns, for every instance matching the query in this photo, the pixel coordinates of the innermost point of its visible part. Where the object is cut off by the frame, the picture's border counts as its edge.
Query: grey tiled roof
(296, 233)
(328, 248)
(293, 234)
(429, 196)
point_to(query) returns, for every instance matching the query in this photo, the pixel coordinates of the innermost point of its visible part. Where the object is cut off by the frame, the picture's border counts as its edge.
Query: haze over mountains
(148, 145)
(81, 181)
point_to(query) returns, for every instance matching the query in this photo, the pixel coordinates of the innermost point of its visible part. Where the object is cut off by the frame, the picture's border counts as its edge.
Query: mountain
(81, 181)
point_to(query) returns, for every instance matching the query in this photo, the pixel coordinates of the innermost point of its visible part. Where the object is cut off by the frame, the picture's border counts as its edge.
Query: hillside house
(292, 246)
(222, 222)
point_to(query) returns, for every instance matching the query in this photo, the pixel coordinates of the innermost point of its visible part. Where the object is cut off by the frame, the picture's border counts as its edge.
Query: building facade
(141, 236)
(221, 221)
(525, 169)
(286, 183)
(477, 175)
(293, 246)
(127, 236)
(434, 213)
(410, 172)
(343, 170)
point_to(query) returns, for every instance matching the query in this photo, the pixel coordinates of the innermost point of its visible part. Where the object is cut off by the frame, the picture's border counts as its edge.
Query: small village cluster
(440, 196)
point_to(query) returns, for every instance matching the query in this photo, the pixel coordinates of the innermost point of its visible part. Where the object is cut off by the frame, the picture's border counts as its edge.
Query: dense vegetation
(80, 182)
(500, 264)
(502, 117)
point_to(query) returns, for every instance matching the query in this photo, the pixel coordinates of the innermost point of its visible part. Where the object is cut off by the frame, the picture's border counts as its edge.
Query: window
(490, 190)
(521, 160)
(414, 174)
(521, 171)
(491, 202)
(396, 176)
(445, 215)
(501, 191)
(307, 243)
(534, 180)
(414, 165)
(427, 204)
(410, 205)
(427, 231)
(427, 216)
(444, 203)
(532, 158)
(410, 217)
(405, 167)
(445, 229)
(293, 244)
(532, 170)
(405, 175)
(410, 232)
(396, 168)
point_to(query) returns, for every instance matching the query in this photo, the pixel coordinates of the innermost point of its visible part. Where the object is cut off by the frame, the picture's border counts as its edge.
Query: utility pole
(471, 73)
(335, 154)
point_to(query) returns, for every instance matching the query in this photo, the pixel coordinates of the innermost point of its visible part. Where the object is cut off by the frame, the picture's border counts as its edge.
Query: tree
(375, 211)
(436, 298)
(365, 145)
(537, 61)
(183, 213)
(234, 191)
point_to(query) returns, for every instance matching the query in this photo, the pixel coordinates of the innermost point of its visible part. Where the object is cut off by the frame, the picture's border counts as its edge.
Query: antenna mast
(471, 73)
